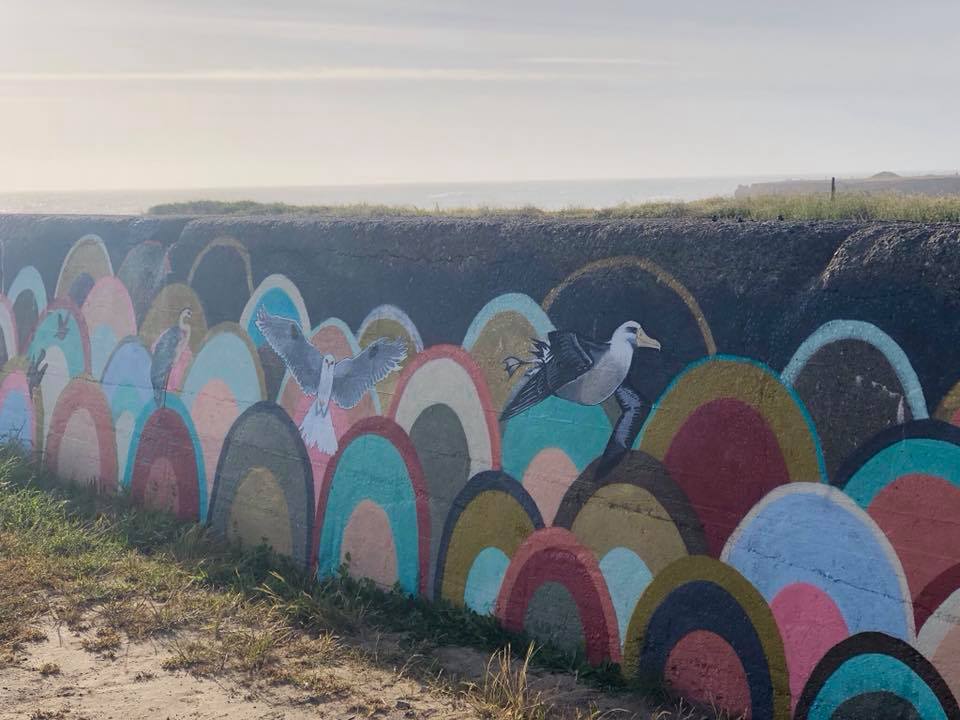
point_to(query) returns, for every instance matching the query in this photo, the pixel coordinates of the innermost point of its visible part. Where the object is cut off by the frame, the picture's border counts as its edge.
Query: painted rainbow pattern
(735, 554)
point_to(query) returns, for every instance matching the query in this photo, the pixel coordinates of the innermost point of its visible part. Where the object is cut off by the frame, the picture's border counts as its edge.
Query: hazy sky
(194, 93)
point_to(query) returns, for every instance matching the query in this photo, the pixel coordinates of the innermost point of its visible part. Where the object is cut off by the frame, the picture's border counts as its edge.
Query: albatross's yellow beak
(644, 340)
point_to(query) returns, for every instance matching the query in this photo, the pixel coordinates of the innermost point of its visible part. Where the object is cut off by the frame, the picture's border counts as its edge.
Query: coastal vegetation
(858, 207)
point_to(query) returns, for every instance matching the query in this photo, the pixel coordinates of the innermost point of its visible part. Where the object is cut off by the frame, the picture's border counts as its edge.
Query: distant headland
(882, 183)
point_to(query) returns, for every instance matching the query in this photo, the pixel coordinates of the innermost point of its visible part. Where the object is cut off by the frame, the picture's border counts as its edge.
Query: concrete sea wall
(762, 512)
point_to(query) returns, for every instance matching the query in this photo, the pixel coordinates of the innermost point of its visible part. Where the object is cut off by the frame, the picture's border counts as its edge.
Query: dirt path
(134, 685)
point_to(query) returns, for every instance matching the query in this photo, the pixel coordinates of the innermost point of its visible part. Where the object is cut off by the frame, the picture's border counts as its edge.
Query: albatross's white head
(631, 332)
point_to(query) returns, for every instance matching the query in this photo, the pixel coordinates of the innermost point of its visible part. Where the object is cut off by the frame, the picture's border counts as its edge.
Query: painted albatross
(586, 372)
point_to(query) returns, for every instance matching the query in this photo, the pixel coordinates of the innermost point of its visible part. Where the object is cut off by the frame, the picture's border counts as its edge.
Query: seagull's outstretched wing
(568, 357)
(302, 359)
(634, 408)
(352, 377)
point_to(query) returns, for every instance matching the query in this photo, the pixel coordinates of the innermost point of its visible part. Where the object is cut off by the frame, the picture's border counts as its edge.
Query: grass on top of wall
(846, 206)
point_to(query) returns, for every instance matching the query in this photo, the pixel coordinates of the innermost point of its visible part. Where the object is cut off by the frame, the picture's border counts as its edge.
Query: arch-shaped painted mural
(86, 262)
(939, 636)
(58, 352)
(485, 525)
(392, 322)
(730, 531)
(110, 317)
(263, 488)
(280, 297)
(9, 338)
(729, 431)
(223, 380)
(855, 381)
(447, 375)
(629, 287)
(442, 404)
(18, 422)
(876, 676)
(504, 327)
(28, 298)
(81, 444)
(704, 631)
(165, 462)
(222, 277)
(789, 547)
(376, 463)
(127, 386)
(905, 478)
(144, 271)
(335, 338)
(553, 568)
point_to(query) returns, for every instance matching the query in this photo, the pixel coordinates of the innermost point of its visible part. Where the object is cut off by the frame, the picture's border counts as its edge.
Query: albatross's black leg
(635, 408)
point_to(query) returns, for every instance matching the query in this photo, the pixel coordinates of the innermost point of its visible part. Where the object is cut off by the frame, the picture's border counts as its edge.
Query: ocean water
(550, 195)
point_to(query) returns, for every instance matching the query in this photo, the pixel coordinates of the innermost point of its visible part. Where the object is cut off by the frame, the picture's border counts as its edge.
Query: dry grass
(118, 574)
(505, 690)
(846, 206)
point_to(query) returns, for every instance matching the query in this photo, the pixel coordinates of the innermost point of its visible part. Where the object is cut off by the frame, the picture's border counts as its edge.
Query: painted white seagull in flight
(320, 375)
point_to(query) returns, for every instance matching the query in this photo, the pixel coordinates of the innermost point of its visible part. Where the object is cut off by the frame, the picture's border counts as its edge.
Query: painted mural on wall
(702, 519)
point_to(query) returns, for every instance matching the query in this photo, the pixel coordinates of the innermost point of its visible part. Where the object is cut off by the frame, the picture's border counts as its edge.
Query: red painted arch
(554, 555)
(85, 394)
(725, 458)
(165, 439)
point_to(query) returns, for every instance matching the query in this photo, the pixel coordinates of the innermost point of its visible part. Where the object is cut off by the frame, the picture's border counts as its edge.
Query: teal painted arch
(580, 431)
(508, 302)
(225, 356)
(75, 345)
(372, 468)
(838, 330)
(278, 296)
(28, 278)
(910, 456)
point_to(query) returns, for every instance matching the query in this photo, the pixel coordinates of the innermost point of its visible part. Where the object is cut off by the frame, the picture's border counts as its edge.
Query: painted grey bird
(322, 376)
(166, 351)
(586, 372)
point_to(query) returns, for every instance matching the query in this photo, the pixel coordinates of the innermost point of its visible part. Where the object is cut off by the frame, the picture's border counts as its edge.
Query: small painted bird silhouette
(63, 326)
(37, 370)
(166, 351)
(323, 377)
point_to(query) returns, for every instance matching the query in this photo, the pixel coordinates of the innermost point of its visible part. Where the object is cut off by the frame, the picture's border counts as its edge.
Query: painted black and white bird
(322, 376)
(586, 372)
(166, 351)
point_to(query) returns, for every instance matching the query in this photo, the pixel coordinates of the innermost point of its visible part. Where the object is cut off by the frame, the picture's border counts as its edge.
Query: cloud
(304, 75)
(648, 62)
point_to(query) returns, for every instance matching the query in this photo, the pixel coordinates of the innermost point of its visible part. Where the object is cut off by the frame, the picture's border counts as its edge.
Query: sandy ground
(134, 685)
